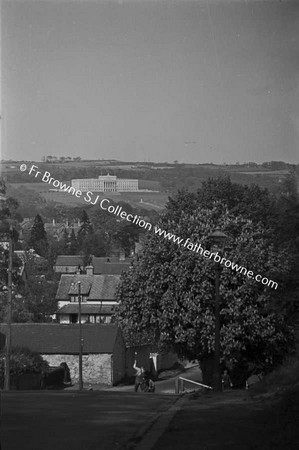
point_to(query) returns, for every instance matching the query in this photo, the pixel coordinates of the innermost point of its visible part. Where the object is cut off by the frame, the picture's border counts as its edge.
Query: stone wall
(97, 368)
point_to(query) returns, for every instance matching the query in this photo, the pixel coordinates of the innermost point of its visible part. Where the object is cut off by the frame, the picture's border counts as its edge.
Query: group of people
(146, 384)
(142, 379)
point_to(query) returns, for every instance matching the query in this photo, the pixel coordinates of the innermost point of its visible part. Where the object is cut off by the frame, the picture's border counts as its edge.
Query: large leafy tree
(168, 296)
(34, 300)
(38, 236)
(8, 228)
(86, 226)
(250, 201)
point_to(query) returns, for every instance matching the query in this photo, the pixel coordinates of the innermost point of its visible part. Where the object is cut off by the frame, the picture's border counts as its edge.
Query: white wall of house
(65, 318)
(66, 269)
(62, 303)
(97, 368)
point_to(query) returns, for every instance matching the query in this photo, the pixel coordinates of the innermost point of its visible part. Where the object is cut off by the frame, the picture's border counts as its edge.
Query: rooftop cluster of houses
(106, 359)
(96, 284)
(54, 229)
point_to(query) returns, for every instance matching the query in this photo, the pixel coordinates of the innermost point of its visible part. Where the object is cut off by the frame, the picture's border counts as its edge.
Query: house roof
(93, 287)
(27, 255)
(52, 338)
(109, 267)
(72, 308)
(52, 227)
(69, 260)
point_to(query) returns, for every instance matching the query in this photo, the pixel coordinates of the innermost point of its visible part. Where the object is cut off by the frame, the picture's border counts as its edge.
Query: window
(103, 319)
(73, 318)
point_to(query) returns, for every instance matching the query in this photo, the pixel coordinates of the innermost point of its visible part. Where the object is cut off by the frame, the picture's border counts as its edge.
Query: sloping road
(77, 421)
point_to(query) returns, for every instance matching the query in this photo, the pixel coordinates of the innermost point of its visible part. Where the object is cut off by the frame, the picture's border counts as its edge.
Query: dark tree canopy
(168, 296)
(86, 227)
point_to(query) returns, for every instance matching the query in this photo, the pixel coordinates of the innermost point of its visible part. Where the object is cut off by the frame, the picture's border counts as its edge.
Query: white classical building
(105, 183)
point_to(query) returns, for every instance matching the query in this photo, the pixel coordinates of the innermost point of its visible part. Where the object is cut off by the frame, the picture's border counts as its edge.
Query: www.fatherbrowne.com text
(197, 248)
(105, 204)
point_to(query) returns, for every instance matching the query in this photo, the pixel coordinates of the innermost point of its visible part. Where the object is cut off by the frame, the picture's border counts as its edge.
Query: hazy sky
(196, 81)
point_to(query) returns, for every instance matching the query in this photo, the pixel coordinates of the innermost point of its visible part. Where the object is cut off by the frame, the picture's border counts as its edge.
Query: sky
(192, 81)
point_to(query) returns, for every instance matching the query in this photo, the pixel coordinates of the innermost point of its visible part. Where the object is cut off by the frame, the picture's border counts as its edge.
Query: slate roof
(69, 260)
(72, 308)
(109, 268)
(93, 287)
(52, 338)
(111, 265)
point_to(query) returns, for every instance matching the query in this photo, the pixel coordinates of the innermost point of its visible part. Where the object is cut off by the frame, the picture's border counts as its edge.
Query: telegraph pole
(9, 309)
(80, 338)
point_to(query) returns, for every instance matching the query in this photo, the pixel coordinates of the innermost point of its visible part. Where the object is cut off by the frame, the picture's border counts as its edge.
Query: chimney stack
(89, 270)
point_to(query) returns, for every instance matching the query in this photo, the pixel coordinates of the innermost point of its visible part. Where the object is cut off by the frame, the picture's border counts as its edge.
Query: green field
(146, 200)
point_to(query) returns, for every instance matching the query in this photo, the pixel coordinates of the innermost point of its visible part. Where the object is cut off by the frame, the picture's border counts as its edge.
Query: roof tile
(93, 287)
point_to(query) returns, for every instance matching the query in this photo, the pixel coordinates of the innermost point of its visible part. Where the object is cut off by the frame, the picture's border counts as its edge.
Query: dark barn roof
(50, 338)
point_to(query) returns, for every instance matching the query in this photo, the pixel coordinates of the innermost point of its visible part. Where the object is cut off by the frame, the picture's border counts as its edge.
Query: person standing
(226, 381)
(139, 375)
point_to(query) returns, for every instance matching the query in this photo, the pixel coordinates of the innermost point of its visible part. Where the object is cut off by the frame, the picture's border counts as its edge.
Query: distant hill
(164, 177)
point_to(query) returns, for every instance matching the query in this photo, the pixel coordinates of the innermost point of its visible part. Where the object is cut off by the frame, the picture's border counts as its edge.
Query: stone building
(105, 183)
(104, 352)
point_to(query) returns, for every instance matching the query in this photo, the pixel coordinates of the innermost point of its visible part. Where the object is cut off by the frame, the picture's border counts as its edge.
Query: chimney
(89, 270)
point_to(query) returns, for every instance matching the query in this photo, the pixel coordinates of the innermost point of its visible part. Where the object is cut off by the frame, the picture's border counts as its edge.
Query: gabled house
(25, 257)
(103, 349)
(69, 264)
(57, 229)
(97, 293)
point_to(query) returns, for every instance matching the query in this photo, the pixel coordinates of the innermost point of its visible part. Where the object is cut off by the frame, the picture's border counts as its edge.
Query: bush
(22, 361)
(285, 376)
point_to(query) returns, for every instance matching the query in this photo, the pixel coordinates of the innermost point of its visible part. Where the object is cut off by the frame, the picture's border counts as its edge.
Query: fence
(179, 384)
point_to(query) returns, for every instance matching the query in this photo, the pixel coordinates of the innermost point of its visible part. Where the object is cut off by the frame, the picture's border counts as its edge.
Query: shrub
(285, 376)
(22, 360)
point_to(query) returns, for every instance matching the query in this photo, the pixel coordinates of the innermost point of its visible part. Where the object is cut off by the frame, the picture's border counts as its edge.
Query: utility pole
(9, 309)
(80, 338)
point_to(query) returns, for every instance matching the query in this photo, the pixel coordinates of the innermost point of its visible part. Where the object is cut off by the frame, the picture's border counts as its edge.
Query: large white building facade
(105, 183)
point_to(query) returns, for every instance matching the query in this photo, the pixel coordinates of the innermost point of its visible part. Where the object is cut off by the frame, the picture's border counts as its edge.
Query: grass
(150, 200)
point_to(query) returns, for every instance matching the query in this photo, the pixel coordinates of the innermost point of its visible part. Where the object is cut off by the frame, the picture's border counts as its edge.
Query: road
(167, 386)
(89, 420)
